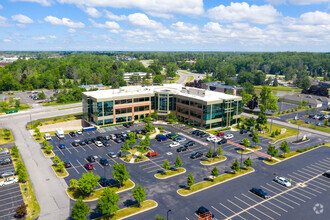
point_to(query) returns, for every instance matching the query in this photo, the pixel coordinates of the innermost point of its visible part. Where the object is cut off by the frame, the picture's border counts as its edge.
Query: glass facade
(206, 112)
(120, 119)
(99, 109)
(172, 104)
(108, 121)
(163, 102)
(108, 108)
(217, 111)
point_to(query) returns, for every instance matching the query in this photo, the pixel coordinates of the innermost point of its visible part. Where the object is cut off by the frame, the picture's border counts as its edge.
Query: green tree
(7, 133)
(149, 127)
(166, 165)
(267, 100)
(285, 147)
(125, 148)
(235, 166)
(262, 119)
(17, 103)
(60, 166)
(275, 83)
(248, 162)
(159, 218)
(178, 162)
(139, 193)
(210, 153)
(108, 202)
(120, 173)
(255, 139)
(38, 133)
(246, 142)
(131, 140)
(80, 210)
(326, 122)
(171, 69)
(56, 159)
(190, 180)
(272, 151)
(49, 148)
(154, 115)
(88, 181)
(172, 118)
(147, 119)
(41, 95)
(21, 210)
(219, 151)
(73, 183)
(45, 142)
(249, 88)
(14, 151)
(158, 79)
(245, 97)
(250, 122)
(214, 173)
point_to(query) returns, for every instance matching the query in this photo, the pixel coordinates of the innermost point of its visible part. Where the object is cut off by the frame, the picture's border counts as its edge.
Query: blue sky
(165, 25)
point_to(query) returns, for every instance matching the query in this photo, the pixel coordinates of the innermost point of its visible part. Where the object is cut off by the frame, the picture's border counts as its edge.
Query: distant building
(312, 100)
(128, 75)
(325, 83)
(221, 87)
(125, 58)
(89, 87)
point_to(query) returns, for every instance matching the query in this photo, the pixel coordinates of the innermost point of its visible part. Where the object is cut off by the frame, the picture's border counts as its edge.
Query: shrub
(277, 132)
(272, 134)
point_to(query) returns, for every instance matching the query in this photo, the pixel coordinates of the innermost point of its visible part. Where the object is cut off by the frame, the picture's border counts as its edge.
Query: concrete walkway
(134, 156)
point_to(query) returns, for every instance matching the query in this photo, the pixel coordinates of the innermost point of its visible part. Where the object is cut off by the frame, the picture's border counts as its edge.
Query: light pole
(241, 160)
(167, 213)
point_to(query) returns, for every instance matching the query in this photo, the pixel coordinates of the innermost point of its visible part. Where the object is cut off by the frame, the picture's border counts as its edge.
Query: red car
(220, 134)
(89, 166)
(152, 153)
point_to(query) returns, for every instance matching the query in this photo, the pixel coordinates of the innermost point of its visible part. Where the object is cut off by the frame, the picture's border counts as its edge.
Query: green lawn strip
(287, 113)
(289, 132)
(254, 148)
(96, 194)
(33, 209)
(51, 154)
(243, 151)
(287, 155)
(129, 157)
(3, 138)
(132, 210)
(315, 127)
(216, 131)
(327, 144)
(270, 161)
(54, 120)
(281, 88)
(170, 173)
(57, 104)
(20, 108)
(189, 79)
(209, 183)
(214, 160)
(58, 173)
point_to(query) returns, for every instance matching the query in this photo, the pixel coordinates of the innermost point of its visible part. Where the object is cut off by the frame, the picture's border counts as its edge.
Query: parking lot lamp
(167, 213)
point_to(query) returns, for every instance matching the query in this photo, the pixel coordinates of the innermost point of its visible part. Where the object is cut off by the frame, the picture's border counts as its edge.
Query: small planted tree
(56, 160)
(149, 127)
(246, 142)
(272, 151)
(210, 153)
(108, 202)
(49, 149)
(190, 180)
(255, 139)
(219, 151)
(214, 173)
(88, 181)
(235, 166)
(166, 165)
(60, 166)
(80, 210)
(139, 193)
(178, 162)
(7, 133)
(154, 115)
(120, 173)
(285, 147)
(73, 183)
(248, 162)
(21, 210)
(159, 218)
(45, 142)
(125, 148)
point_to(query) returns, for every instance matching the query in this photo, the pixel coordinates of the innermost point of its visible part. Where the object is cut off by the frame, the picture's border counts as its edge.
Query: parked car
(126, 125)
(166, 133)
(72, 134)
(243, 131)
(88, 141)
(131, 123)
(161, 138)
(107, 137)
(47, 137)
(75, 143)
(189, 144)
(118, 140)
(106, 143)
(99, 138)
(172, 136)
(67, 164)
(93, 140)
(79, 132)
(210, 138)
(204, 213)
(104, 162)
(282, 181)
(61, 146)
(112, 155)
(204, 134)
(220, 134)
(123, 139)
(251, 134)
(7, 174)
(196, 155)
(98, 143)
(104, 182)
(222, 141)
(4, 151)
(180, 149)
(260, 192)
(9, 181)
(229, 136)
(326, 174)
(181, 139)
(152, 153)
(91, 158)
(89, 166)
(124, 134)
(195, 132)
(112, 136)
(5, 161)
(82, 143)
(138, 131)
(174, 144)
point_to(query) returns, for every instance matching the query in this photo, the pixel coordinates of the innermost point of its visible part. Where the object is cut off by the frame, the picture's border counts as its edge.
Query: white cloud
(191, 7)
(107, 24)
(139, 36)
(242, 12)
(52, 36)
(142, 20)
(38, 38)
(276, 2)
(298, 2)
(93, 12)
(42, 2)
(1, 7)
(3, 21)
(184, 27)
(317, 18)
(112, 16)
(64, 21)
(6, 40)
(22, 19)
(71, 30)
(21, 25)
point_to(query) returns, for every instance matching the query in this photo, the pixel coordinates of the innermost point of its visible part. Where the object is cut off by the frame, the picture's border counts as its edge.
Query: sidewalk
(134, 156)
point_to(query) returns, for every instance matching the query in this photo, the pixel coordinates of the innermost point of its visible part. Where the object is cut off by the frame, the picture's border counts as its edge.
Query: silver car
(7, 174)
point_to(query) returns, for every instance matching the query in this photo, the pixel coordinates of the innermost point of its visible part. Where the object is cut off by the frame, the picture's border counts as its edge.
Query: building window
(136, 117)
(120, 119)
(123, 101)
(129, 118)
(99, 109)
(217, 110)
(108, 121)
(153, 106)
(141, 108)
(143, 99)
(172, 104)
(163, 102)
(108, 108)
(123, 110)
(100, 122)
(206, 112)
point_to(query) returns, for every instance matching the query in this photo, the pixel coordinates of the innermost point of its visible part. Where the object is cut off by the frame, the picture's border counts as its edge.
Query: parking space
(10, 195)
(308, 184)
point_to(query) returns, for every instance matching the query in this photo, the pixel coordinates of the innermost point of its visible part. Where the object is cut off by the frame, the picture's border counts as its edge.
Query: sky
(165, 25)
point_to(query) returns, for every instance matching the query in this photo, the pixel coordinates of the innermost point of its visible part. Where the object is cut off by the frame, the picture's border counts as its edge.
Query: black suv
(5, 161)
(91, 158)
(99, 138)
(104, 162)
(195, 132)
(196, 155)
(118, 140)
(72, 134)
(67, 164)
(105, 182)
(260, 192)
(204, 135)
(105, 143)
(82, 143)
(126, 125)
(75, 143)
(204, 212)
(189, 144)
(222, 141)
(180, 149)
(326, 174)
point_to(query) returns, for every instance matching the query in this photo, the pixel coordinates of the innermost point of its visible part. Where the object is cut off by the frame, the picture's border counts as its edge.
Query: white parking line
(314, 168)
(16, 201)
(317, 179)
(232, 211)
(7, 193)
(74, 168)
(11, 197)
(152, 166)
(151, 171)
(309, 171)
(310, 183)
(286, 193)
(260, 203)
(306, 191)
(60, 150)
(245, 211)
(82, 165)
(322, 165)
(89, 146)
(326, 161)
(74, 148)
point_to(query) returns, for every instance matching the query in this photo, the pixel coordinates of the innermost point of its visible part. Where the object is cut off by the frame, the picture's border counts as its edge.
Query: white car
(174, 144)
(9, 181)
(166, 133)
(79, 132)
(327, 116)
(210, 138)
(282, 181)
(98, 143)
(228, 136)
(215, 140)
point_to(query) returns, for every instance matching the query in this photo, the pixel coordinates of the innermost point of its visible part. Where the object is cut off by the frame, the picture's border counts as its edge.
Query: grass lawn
(129, 157)
(281, 88)
(170, 173)
(20, 108)
(327, 144)
(3, 138)
(255, 147)
(213, 160)
(176, 78)
(243, 151)
(96, 194)
(69, 108)
(54, 120)
(57, 104)
(189, 79)
(270, 161)
(58, 173)
(202, 185)
(122, 213)
(286, 113)
(289, 132)
(288, 155)
(301, 123)
(51, 154)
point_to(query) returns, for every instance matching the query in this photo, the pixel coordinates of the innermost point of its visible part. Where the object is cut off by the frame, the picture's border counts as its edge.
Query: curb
(60, 176)
(245, 152)
(275, 142)
(48, 156)
(301, 142)
(214, 162)
(252, 149)
(253, 170)
(184, 171)
(142, 210)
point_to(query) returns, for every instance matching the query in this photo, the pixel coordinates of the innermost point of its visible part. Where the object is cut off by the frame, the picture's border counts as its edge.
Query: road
(184, 74)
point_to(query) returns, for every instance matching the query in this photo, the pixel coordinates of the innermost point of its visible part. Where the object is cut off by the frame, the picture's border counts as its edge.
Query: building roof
(201, 94)
(313, 99)
(222, 85)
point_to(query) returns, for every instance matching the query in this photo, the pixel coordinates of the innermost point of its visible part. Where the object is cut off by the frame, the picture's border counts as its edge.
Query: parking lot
(10, 195)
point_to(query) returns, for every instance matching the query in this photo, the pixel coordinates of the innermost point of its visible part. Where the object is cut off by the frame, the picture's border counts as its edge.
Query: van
(47, 137)
(59, 133)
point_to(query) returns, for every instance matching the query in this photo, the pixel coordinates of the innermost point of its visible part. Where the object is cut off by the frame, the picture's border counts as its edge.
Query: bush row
(308, 148)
